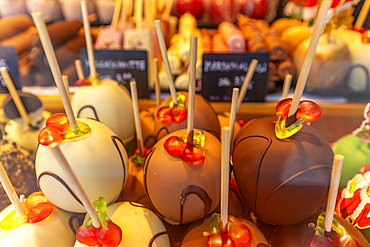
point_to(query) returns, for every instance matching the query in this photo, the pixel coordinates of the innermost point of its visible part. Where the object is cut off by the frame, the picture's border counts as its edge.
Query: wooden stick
(89, 45)
(129, 8)
(54, 66)
(135, 105)
(363, 14)
(162, 45)
(157, 87)
(286, 86)
(192, 80)
(66, 86)
(10, 192)
(14, 93)
(247, 80)
(233, 112)
(74, 182)
(116, 14)
(167, 10)
(225, 166)
(302, 79)
(123, 17)
(80, 71)
(139, 13)
(333, 191)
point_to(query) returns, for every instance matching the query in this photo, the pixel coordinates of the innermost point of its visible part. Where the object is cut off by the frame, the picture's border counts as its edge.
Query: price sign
(221, 72)
(122, 66)
(9, 60)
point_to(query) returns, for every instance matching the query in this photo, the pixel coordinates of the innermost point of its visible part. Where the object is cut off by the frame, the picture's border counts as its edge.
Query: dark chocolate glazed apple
(182, 191)
(300, 235)
(205, 117)
(283, 181)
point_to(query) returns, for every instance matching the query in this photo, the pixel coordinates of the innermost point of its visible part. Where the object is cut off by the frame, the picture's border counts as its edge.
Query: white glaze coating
(113, 107)
(26, 138)
(95, 160)
(138, 225)
(53, 231)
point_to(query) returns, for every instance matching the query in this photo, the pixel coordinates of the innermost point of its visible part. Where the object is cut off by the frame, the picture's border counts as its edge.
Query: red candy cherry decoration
(178, 114)
(109, 235)
(240, 233)
(282, 108)
(220, 240)
(193, 154)
(164, 115)
(174, 145)
(88, 235)
(58, 120)
(190, 152)
(48, 135)
(366, 37)
(308, 110)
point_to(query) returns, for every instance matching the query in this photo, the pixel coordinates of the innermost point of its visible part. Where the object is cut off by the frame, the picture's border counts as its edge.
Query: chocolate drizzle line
(155, 237)
(297, 175)
(60, 180)
(70, 223)
(201, 193)
(114, 140)
(92, 108)
(269, 140)
(160, 130)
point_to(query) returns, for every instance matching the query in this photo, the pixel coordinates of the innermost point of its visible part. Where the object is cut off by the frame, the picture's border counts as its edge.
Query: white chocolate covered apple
(57, 230)
(99, 160)
(109, 103)
(140, 226)
(358, 76)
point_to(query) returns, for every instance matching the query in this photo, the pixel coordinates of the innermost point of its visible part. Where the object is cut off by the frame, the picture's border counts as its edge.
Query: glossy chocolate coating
(194, 237)
(179, 191)
(284, 181)
(205, 118)
(299, 235)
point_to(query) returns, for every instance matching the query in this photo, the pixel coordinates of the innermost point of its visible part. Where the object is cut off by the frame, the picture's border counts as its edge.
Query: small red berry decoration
(173, 113)
(190, 152)
(237, 235)
(107, 235)
(366, 37)
(88, 81)
(58, 129)
(308, 111)
(37, 207)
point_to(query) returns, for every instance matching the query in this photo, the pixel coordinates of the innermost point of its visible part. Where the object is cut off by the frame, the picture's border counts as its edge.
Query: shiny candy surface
(108, 234)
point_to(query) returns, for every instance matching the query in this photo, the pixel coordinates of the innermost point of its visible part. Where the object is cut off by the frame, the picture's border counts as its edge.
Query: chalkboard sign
(9, 60)
(221, 72)
(122, 66)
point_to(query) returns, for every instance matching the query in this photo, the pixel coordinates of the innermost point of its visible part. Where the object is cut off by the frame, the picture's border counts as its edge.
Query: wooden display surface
(336, 121)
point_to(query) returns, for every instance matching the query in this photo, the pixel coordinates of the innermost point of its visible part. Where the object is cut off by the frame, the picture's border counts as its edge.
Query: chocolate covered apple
(96, 154)
(310, 232)
(283, 174)
(191, 170)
